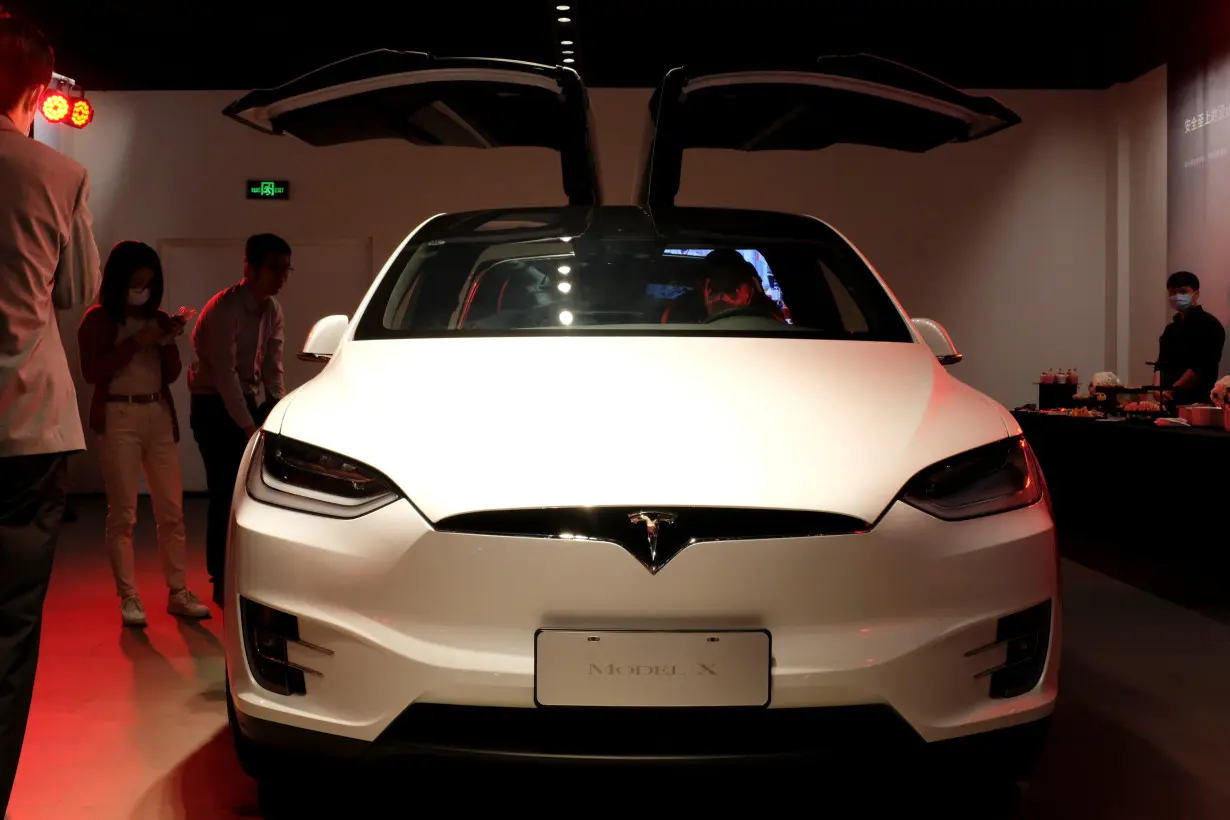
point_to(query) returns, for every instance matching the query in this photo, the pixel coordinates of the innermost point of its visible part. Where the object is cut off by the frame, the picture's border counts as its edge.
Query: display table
(1133, 481)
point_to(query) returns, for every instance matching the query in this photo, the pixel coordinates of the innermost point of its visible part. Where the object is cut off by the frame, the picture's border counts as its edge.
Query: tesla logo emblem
(653, 522)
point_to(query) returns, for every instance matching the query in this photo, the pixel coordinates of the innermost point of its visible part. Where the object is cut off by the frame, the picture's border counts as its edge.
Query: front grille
(653, 535)
(690, 525)
(645, 734)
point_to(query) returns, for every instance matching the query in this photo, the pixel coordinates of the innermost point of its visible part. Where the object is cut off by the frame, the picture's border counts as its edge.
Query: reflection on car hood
(470, 424)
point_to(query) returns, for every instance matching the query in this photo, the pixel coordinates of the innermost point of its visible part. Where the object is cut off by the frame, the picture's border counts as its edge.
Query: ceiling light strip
(565, 16)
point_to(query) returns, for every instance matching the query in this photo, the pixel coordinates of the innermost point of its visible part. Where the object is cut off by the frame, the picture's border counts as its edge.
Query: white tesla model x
(600, 482)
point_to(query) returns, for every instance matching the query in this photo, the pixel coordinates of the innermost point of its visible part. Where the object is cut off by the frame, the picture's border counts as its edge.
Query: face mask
(138, 296)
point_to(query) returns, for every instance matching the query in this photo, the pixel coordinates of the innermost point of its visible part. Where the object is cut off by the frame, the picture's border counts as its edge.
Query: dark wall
(1198, 145)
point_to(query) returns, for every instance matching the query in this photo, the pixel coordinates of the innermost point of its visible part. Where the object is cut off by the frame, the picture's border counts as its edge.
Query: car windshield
(482, 286)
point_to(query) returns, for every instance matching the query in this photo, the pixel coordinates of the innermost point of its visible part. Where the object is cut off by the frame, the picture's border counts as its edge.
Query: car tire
(255, 761)
(1022, 752)
(1004, 756)
(279, 800)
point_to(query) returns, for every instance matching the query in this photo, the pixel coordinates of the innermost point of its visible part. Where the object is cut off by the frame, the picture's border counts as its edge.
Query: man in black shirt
(1189, 353)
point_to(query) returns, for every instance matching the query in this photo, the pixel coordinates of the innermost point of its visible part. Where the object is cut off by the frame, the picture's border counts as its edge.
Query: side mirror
(323, 339)
(937, 338)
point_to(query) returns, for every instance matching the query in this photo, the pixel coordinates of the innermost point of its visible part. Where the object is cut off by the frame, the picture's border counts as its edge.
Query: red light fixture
(64, 102)
(55, 107)
(82, 113)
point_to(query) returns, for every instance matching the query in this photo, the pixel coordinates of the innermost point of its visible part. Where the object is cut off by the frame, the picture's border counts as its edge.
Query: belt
(148, 398)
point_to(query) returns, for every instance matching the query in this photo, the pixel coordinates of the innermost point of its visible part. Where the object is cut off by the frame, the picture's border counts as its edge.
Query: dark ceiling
(225, 44)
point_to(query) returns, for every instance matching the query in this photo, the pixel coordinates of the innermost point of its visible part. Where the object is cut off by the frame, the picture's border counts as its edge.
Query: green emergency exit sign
(268, 189)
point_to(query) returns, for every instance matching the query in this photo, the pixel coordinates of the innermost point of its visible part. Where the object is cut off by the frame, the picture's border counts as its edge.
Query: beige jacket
(48, 262)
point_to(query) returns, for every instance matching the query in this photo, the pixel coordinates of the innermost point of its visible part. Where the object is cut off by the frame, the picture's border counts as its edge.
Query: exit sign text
(268, 189)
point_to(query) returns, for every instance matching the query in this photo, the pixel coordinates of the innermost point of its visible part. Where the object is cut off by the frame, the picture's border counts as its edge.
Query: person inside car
(731, 286)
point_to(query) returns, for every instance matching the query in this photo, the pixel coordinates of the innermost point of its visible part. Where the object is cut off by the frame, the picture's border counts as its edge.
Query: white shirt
(142, 376)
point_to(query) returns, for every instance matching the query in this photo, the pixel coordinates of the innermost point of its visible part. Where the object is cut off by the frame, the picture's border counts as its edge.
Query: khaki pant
(140, 437)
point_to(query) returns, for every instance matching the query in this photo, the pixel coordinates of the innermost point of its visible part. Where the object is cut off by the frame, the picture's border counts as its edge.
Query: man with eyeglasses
(238, 341)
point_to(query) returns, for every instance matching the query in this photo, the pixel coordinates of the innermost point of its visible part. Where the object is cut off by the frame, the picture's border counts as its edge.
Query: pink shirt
(238, 344)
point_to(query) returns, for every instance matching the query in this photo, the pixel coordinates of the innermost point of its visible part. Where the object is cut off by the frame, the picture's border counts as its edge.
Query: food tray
(1067, 413)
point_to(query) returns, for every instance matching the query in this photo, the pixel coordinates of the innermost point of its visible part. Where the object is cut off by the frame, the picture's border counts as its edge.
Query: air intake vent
(1025, 636)
(616, 523)
(653, 534)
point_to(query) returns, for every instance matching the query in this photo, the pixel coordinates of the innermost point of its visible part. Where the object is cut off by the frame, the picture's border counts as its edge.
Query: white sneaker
(187, 605)
(132, 612)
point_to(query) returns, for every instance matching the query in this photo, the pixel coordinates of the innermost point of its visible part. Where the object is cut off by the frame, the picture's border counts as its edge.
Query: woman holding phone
(129, 353)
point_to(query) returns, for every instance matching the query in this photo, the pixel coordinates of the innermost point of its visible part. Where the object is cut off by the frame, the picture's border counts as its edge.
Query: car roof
(626, 222)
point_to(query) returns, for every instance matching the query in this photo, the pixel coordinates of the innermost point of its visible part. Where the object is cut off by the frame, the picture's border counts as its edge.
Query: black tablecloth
(1135, 481)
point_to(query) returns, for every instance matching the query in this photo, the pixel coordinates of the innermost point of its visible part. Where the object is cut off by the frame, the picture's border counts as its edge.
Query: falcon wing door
(855, 99)
(425, 100)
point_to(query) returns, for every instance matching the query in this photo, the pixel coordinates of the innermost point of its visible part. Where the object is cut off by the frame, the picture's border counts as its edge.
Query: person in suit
(48, 262)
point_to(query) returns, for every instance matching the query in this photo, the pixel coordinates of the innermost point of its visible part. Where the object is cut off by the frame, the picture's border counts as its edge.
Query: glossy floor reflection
(131, 724)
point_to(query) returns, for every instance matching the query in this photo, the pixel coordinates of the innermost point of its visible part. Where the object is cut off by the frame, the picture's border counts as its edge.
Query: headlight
(298, 476)
(993, 479)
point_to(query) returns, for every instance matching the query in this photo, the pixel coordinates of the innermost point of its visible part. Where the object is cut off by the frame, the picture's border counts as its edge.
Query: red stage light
(82, 113)
(56, 106)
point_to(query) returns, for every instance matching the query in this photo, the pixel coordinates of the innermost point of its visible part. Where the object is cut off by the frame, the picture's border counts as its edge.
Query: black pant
(222, 443)
(32, 498)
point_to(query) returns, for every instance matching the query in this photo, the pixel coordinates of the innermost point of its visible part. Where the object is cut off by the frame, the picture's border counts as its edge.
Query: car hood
(469, 424)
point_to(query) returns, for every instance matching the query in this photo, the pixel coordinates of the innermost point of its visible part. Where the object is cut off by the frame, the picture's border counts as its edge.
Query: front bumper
(432, 631)
(835, 736)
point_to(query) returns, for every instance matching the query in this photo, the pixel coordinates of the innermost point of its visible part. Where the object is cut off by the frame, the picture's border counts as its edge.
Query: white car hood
(479, 423)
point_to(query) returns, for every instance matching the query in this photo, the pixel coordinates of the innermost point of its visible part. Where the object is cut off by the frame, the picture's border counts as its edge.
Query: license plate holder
(653, 668)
